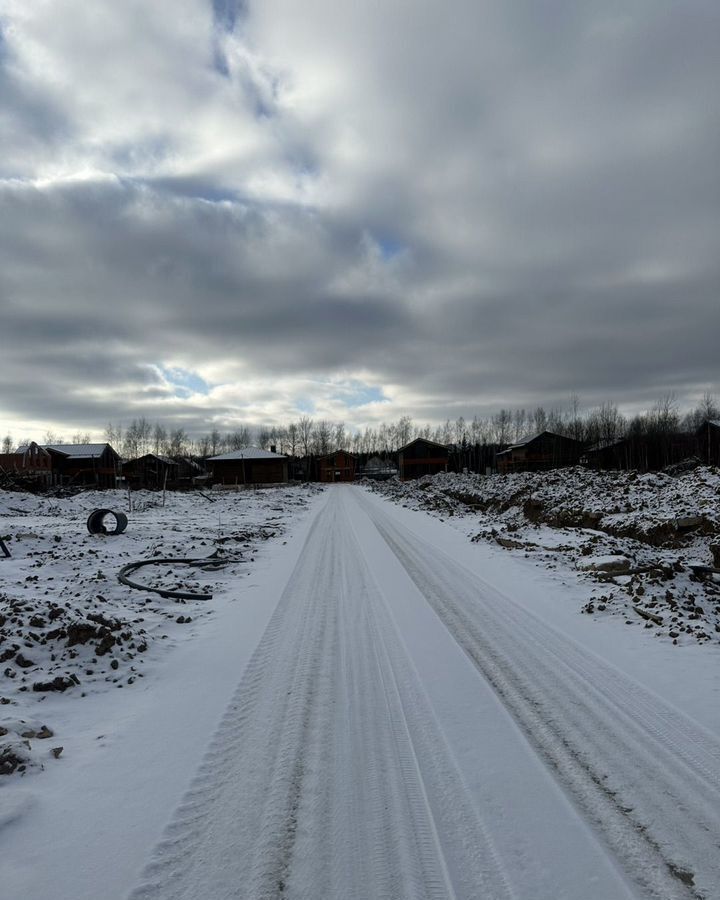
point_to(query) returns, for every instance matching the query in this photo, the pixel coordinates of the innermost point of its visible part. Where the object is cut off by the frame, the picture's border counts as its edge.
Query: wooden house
(191, 471)
(250, 466)
(708, 442)
(379, 469)
(608, 455)
(84, 464)
(422, 457)
(30, 465)
(546, 450)
(338, 466)
(151, 472)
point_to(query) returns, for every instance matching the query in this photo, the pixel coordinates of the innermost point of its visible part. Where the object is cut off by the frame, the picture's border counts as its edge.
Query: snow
(372, 705)
(566, 519)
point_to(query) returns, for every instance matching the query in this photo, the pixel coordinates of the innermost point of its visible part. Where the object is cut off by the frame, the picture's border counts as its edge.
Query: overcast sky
(217, 212)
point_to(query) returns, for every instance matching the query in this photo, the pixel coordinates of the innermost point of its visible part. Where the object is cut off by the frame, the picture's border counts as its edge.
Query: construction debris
(96, 523)
(208, 563)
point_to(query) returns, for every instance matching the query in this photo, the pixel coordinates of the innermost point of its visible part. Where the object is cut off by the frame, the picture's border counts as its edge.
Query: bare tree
(519, 427)
(404, 431)
(539, 420)
(7, 444)
(144, 432)
(239, 439)
(605, 425)
(215, 438)
(264, 437)
(293, 438)
(159, 439)
(305, 434)
(114, 435)
(501, 423)
(322, 437)
(178, 441)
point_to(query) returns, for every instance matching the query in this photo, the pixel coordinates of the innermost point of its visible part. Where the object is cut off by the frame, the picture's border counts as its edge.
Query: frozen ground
(68, 627)
(385, 711)
(628, 542)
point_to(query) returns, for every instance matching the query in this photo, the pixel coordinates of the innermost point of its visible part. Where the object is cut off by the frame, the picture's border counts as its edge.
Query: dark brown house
(151, 472)
(29, 464)
(84, 464)
(338, 466)
(708, 442)
(422, 457)
(608, 455)
(249, 466)
(546, 450)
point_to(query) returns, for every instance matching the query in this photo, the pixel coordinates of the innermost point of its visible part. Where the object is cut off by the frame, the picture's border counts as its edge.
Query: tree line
(602, 425)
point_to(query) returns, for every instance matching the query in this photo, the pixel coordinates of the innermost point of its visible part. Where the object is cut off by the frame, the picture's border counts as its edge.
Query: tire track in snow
(328, 776)
(644, 775)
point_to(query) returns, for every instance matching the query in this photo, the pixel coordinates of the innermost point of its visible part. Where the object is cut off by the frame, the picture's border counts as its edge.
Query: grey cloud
(549, 172)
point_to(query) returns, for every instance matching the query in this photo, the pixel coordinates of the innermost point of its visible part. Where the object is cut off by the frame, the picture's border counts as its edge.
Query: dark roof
(247, 453)
(533, 437)
(163, 459)
(424, 441)
(335, 453)
(79, 451)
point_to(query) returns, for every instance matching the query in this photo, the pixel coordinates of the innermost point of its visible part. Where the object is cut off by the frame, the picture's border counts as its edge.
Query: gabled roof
(423, 440)
(79, 451)
(533, 437)
(335, 453)
(163, 459)
(247, 453)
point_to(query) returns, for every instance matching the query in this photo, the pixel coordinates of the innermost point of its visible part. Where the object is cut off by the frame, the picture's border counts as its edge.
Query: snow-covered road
(403, 730)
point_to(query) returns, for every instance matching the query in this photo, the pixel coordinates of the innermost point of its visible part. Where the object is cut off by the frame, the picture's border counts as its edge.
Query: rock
(114, 664)
(80, 633)
(56, 751)
(44, 733)
(617, 564)
(60, 683)
(106, 644)
(9, 761)
(715, 550)
(687, 523)
(533, 509)
(509, 543)
(23, 661)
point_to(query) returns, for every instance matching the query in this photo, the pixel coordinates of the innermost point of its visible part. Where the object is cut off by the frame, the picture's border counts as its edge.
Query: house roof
(247, 453)
(78, 451)
(534, 437)
(163, 459)
(335, 453)
(424, 441)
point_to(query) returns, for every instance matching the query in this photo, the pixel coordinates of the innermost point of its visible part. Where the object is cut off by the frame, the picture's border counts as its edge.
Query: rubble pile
(644, 544)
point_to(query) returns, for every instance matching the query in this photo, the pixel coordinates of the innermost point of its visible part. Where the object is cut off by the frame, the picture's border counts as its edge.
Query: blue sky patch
(390, 247)
(358, 394)
(184, 382)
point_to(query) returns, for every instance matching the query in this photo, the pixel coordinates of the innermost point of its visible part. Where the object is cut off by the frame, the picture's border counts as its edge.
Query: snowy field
(69, 630)
(372, 704)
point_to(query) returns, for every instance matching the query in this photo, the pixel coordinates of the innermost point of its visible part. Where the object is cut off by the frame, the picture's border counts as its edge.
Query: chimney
(273, 448)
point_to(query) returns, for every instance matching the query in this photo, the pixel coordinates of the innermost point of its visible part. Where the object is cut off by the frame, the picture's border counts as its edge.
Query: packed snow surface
(397, 712)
